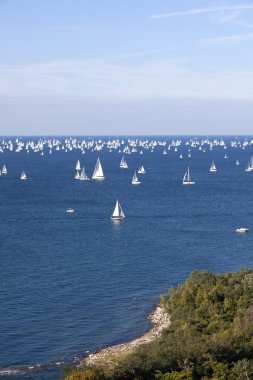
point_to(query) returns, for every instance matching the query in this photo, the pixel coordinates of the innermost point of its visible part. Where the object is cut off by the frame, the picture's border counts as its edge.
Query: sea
(73, 283)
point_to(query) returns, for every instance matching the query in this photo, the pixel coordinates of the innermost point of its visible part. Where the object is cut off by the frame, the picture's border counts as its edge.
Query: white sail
(4, 170)
(77, 176)
(118, 212)
(142, 170)
(213, 167)
(135, 180)
(237, 162)
(123, 163)
(248, 167)
(23, 175)
(98, 171)
(187, 178)
(83, 175)
(78, 166)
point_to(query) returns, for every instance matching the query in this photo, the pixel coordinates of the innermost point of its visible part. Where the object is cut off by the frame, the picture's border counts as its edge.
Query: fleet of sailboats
(124, 146)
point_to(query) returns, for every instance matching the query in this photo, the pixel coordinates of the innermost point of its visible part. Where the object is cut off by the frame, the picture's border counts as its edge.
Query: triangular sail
(78, 166)
(123, 163)
(23, 175)
(83, 176)
(98, 171)
(187, 178)
(118, 212)
(213, 167)
(141, 170)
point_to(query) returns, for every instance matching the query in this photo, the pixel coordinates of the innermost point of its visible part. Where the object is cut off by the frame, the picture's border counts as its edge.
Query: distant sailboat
(249, 168)
(77, 176)
(98, 171)
(187, 178)
(142, 170)
(83, 176)
(118, 213)
(135, 180)
(213, 167)
(225, 156)
(237, 162)
(4, 170)
(165, 152)
(23, 175)
(123, 163)
(78, 166)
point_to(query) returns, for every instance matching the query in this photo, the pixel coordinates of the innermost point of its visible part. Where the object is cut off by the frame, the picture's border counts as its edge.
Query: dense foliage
(210, 337)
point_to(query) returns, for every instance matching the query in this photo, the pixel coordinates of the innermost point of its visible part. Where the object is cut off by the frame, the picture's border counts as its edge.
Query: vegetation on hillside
(210, 337)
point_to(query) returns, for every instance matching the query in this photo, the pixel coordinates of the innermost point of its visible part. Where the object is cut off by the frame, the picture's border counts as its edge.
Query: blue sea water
(71, 283)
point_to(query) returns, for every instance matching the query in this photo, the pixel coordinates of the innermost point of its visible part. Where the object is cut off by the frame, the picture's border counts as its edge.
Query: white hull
(98, 178)
(189, 183)
(242, 230)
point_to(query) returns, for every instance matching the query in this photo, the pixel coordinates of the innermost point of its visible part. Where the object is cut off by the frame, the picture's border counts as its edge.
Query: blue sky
(126, 67)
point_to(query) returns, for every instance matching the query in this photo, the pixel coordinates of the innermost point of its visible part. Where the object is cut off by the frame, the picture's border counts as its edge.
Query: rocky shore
(160, 320)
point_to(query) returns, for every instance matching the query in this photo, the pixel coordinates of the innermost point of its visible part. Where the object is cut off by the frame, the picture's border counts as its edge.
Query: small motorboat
(70, 210)
(242, 230)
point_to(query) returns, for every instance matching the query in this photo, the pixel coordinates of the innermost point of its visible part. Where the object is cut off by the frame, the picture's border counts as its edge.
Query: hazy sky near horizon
(122, 67)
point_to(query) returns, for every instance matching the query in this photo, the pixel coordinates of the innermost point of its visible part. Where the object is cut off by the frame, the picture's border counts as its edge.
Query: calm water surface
(71, 283)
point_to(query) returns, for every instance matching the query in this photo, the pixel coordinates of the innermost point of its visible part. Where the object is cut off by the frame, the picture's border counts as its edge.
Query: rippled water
(71, 283)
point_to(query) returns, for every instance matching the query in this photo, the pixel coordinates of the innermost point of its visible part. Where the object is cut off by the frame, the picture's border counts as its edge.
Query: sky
(82, 67)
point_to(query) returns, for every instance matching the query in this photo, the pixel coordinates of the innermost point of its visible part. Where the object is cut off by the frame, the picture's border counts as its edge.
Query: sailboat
(98, 171)
(248, 167)
(83, 176)
(77, 176)
(4, 170)
(135, 180)
(23, 175)
(118, 213)
(187, 178)
(78, 166)
(213, 167)
(142, 170)
(237, 162)
(123, 163)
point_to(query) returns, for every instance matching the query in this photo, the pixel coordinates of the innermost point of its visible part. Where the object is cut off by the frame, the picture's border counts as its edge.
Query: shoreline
(160, 320)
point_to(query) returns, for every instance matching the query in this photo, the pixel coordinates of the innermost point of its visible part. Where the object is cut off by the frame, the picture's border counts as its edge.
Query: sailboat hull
(98, 178)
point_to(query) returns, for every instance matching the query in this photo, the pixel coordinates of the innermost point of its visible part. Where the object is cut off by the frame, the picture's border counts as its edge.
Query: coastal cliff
(202, 330)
